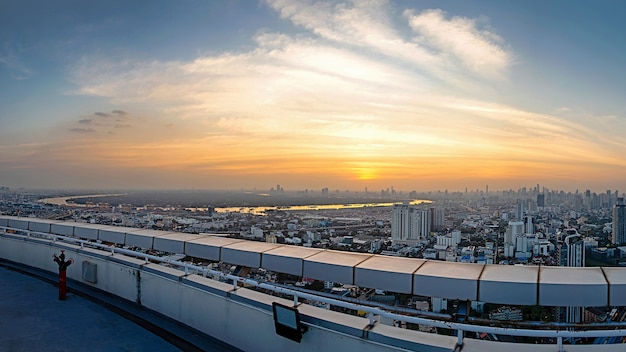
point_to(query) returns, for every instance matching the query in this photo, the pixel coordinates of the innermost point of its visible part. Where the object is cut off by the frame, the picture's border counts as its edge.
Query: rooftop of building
(32, 318)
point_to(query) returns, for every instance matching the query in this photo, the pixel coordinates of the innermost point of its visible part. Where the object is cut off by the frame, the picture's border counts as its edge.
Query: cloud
(102, 122)
(370, 25)
(365, 24)
(349, 91)
(17, 69)
(82, 130)
(476, 48)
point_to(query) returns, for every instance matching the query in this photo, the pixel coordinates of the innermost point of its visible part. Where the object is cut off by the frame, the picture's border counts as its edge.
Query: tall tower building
(425, 223)
(619, 222)
(575, 251)
(541, 200)
(415, 218)
(529, 225)
(519, 209)
(409, 224)
(437, 219)
(574, 246)
(515, 228)
(400, 224)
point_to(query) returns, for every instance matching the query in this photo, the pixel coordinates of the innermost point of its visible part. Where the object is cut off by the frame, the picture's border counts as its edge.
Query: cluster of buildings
(542, 229)
(524, 227)
(412, 224)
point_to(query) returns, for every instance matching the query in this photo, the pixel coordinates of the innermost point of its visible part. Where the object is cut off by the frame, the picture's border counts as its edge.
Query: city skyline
(346, 95)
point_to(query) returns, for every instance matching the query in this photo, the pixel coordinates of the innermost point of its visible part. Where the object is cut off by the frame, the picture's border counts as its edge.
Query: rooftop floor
(33, 319)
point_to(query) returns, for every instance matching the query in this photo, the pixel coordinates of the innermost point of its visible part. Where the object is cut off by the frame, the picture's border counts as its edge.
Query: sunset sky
(419, 95)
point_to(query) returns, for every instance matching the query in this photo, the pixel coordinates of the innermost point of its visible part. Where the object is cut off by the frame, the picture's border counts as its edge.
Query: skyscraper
(515, 229)
(541, 200)
(619, 222)
(574, 246)
(409, 224)
(425, 223)
(437, 219)
(400, 224)
(529, 225)
(519, 210)
(575, 251)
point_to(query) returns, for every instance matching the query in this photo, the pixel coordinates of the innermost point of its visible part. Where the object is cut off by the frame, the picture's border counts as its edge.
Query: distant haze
(309, 94)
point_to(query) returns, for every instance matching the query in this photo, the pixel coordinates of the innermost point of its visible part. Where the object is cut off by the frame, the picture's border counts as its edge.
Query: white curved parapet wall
(242, 317)
(514, 285)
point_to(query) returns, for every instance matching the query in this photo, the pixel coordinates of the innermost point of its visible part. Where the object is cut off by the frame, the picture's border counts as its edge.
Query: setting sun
(312, 95)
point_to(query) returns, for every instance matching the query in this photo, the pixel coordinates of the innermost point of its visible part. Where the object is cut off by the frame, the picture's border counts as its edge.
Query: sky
(418, 95)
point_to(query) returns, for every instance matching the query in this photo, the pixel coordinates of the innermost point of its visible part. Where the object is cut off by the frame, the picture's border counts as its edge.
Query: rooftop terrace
(224, 310)
(33, 319)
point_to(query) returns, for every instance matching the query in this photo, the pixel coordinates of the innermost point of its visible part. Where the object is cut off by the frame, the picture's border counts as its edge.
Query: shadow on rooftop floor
(33, 319)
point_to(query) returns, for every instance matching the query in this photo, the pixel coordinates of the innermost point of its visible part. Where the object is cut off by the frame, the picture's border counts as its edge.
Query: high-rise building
(515, 228)
(575, 251)
(573, 254)
(400, 222)
(529, 225)
(619, 222)
(541, 200)
(409, 224)
(426, 224)
(519, 210)
(437, 219)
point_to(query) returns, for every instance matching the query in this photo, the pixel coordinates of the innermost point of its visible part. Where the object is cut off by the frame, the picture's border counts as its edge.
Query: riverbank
(332, 204)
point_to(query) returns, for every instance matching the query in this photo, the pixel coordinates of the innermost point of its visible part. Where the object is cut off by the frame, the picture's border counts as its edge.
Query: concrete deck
(33, 319)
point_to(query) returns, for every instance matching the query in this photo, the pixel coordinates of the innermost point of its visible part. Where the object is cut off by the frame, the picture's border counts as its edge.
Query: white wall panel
(568, 286)
(88, 231)
(617, 285)
(144, 238)
(40, 225)
(246, 253)
(173, 242)
(288, 259)
(208, 247)
(21, 223)
(114, 235)
(508, 284)
(333, 266)
(387, 273)
(447, 280)
(63, 228)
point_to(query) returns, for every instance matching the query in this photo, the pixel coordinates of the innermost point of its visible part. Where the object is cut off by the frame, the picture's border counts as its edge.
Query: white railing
(373, 313)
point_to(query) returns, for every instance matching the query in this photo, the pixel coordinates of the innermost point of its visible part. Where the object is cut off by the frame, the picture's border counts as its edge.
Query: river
(63, 200)
(264, 209)
(258, 210)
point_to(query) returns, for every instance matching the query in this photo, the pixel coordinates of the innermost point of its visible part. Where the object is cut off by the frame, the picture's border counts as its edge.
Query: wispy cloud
(82, 130)
(477, 49)
(10, 59)
(104, 122)
(437, 47)
(351, 90)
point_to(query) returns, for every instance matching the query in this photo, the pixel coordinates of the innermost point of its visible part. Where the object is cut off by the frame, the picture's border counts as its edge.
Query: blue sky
(416, 94)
